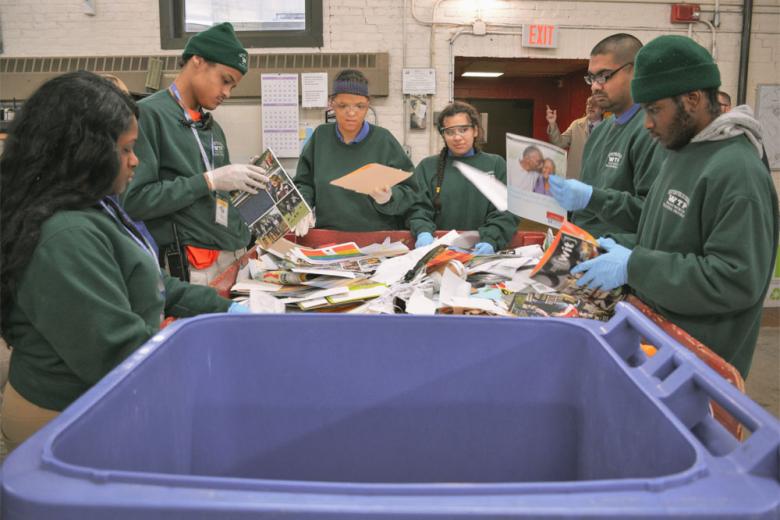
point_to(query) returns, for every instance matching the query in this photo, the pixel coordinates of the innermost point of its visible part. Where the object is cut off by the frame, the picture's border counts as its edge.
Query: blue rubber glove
(606, 271)
(423, 239)
(571, 194)
(483, 248)
(238, 308)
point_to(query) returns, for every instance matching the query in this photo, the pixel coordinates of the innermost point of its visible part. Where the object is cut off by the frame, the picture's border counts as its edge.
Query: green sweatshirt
(463, 207)
(325, 158)
(169, 186)
(620, 162)
(706, 245)
(89, 297)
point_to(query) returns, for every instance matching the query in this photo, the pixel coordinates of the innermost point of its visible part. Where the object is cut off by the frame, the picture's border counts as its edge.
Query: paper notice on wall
(314, 89)
(280, 113)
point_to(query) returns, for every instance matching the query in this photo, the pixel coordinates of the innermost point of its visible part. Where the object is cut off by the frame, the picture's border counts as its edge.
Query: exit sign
(540, 35)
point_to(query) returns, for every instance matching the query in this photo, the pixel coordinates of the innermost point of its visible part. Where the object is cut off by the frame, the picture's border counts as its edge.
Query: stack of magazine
(570, 246)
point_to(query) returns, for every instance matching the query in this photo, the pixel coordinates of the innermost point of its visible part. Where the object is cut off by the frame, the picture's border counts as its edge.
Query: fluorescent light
(482, 74)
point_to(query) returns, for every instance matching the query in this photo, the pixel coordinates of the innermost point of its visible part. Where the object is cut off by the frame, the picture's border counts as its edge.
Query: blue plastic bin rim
(765, 428)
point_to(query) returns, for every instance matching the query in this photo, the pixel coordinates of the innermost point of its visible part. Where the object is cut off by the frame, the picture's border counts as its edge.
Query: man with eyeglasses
(706, 243)
(620, 160)
(181, 186)
(336, 149)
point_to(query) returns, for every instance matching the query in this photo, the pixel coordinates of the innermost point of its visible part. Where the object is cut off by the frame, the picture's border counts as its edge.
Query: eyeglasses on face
(345, 107)
(452, 131)
(605, 75)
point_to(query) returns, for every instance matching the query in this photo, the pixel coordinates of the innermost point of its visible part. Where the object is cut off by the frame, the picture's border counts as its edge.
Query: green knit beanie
(218, 44)
(672, 65)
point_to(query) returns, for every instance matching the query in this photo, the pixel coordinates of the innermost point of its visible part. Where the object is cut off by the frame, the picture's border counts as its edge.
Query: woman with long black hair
(81, 287)
(447, 200)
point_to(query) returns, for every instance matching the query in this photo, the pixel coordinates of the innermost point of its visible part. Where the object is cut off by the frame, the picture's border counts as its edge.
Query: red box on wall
(685, 13)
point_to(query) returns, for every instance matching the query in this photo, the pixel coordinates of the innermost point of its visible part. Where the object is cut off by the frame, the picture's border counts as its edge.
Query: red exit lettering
(540, 35)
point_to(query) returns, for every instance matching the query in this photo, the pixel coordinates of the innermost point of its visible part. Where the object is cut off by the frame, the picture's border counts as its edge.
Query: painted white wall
(60, 27)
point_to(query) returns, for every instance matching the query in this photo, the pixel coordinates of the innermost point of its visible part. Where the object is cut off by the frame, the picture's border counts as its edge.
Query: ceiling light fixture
(482, 74)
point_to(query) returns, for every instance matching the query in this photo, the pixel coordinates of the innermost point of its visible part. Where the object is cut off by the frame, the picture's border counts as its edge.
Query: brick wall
(59, 27)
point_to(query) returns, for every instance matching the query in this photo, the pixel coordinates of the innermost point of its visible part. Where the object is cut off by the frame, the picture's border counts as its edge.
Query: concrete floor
(763, 382)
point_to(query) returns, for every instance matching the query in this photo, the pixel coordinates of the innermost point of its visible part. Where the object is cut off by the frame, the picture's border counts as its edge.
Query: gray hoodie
(738, 121)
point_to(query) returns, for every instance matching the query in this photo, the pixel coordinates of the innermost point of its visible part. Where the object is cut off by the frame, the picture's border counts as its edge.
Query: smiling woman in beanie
(708, 234)
(335, 149)
(181, 187)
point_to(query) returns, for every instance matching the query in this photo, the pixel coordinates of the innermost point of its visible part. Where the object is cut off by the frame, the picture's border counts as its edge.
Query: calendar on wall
(280, 113)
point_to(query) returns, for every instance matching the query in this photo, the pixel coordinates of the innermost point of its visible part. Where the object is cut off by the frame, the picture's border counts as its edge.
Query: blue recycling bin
(340, 416)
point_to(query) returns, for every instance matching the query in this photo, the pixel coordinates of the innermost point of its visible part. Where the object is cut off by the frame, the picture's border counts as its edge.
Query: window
(270, 23)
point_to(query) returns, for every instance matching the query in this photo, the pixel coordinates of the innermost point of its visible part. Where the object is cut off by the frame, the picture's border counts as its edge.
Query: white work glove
(302, 227)
(243, 177)
(382, 195)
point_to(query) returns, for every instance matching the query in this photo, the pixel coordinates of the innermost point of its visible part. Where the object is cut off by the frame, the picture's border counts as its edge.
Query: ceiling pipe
(744, 51)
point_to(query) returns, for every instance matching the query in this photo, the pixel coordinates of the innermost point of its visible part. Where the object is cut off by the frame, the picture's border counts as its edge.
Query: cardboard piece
(371, 177)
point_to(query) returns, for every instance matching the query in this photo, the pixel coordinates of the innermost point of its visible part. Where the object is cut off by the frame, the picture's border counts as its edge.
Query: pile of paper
(444, 278)
(316, 279)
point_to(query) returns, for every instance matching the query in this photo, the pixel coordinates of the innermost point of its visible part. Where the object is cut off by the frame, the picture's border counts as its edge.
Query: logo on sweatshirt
(219, 149)
(676, 202)
(613, 159)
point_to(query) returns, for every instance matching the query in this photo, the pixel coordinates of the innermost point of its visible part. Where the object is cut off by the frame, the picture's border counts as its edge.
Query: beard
(682, 129)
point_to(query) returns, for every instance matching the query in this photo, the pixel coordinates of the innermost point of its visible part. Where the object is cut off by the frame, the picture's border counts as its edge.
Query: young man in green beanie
(181, 186)
(620, 160)
(703, 254)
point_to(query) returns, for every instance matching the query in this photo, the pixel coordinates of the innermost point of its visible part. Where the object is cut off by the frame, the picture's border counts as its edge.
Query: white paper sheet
(420, 305)
(492, 188)
(452, 286)
(260, 302)
(247, 285)
(314, 89)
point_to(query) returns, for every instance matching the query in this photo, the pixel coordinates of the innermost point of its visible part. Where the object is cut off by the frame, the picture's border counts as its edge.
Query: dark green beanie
(672, 65)
(218, 44)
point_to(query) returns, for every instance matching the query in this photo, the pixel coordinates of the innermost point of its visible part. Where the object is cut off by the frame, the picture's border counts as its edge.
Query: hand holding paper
(372, 179)
(382, 195)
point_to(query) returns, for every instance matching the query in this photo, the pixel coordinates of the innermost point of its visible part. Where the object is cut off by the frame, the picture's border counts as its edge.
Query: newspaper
(277, 209)
(529, 165)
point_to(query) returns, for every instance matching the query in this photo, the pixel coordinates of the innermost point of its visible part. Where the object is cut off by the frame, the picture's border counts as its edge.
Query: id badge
(221, 215)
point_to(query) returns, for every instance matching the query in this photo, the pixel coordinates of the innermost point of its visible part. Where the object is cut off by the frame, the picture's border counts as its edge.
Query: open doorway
(503, 116)
(517, 101)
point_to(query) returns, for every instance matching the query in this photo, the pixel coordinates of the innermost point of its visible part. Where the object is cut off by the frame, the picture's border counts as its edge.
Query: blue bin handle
(762, 447)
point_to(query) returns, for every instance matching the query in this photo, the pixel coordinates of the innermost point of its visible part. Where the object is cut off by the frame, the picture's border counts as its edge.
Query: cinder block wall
(59, 28)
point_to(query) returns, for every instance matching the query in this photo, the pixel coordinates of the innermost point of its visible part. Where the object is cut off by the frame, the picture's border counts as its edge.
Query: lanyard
(208, 164)
(137, 237)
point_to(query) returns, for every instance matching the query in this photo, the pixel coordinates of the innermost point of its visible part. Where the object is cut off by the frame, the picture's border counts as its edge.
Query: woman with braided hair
(447, 200)
(81, 287)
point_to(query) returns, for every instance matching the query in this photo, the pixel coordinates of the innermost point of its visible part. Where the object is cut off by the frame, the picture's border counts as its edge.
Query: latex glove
(243, 177)
(423, 239)
(306, 223)
(606, 271)
(382, 195)
(238, 308)
(571, 194)
(483, 248)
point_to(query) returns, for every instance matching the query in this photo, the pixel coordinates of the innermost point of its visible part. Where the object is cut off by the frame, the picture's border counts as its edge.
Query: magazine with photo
(277, 209)
(571, 246)
(529, 165)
